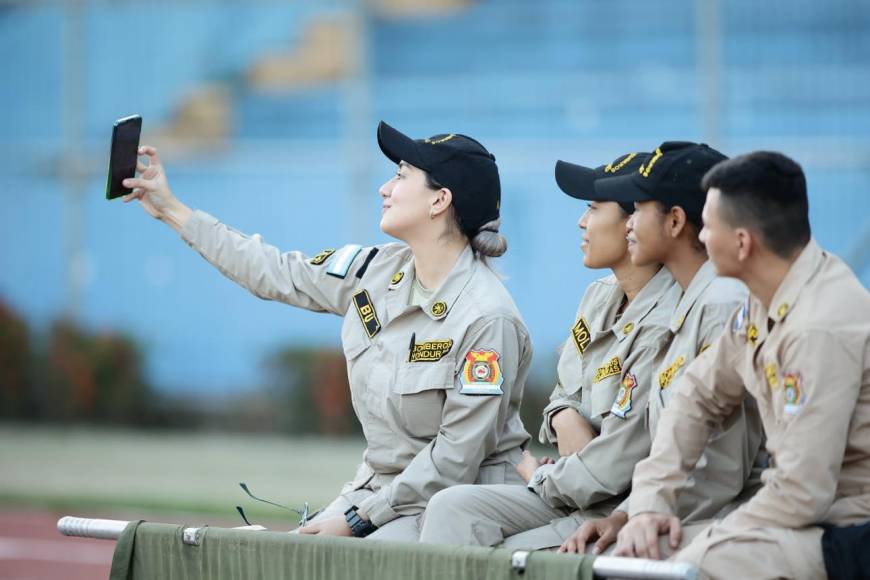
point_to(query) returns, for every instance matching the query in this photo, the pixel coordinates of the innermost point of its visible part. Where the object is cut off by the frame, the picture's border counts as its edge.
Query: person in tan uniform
(800, 347)
(664, 228)
(437, 353)
(597, 413)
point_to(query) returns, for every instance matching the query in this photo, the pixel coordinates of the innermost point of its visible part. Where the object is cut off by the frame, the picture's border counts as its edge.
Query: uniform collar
(648, 297)
(700, 282)
(603, 311)
(795, 280)
(445, 296)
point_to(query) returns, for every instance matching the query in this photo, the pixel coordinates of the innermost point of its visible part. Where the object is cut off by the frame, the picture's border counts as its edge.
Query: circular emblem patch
(439, 308)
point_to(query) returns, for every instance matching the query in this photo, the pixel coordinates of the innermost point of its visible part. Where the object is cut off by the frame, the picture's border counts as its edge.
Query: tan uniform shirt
(806, 362)
(727, 464)
(605, 372)
(437, 387)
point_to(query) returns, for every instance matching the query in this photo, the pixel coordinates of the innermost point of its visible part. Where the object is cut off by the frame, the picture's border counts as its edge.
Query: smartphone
(124, 155)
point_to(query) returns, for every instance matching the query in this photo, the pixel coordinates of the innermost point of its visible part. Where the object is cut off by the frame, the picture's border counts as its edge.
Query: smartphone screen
(124, 155)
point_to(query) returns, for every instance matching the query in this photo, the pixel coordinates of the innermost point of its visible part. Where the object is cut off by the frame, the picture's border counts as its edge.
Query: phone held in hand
(123, 156)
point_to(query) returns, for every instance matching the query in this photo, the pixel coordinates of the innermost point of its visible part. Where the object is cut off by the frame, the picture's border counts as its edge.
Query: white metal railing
(603, 566)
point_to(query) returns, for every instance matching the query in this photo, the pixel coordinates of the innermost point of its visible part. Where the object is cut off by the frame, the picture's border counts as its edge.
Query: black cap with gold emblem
(457, 162)
(671, 175)
(579, 181)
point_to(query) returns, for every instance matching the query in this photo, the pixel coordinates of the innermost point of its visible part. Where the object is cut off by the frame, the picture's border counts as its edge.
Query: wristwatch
(359, 528)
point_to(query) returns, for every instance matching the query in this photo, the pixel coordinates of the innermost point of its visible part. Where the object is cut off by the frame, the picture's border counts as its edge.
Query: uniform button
(628, 328)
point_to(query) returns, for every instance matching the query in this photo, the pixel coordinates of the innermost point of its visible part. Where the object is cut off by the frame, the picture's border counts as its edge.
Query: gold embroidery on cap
(431, 141)
(611, 168)
(646, 168)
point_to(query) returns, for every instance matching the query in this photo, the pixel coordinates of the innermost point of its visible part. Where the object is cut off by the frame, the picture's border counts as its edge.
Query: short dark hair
(767, 192)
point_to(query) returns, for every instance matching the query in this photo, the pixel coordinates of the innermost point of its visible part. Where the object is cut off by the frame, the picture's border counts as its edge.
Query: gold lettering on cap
(646, 168)
(431, 141)
(611, 168)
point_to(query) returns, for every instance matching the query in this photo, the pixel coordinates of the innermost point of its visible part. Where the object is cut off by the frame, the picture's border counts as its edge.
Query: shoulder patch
(580, 333)
(481, 374)
(430, 351)
(610, 368)
(367, 314)
(794, 397)
(622, 403)
(321, 257)
(667, 375)
(340, 264)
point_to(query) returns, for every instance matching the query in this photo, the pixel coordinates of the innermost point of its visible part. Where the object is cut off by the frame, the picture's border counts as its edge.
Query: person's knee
(459, 498)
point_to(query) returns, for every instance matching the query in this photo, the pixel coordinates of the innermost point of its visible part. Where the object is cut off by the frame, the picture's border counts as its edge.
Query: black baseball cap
(671, 175)
(457, 162)
(579, 181)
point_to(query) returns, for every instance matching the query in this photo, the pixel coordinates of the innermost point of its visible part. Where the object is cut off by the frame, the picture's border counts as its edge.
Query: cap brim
(623, 189)
(576, 180)
(398, 146)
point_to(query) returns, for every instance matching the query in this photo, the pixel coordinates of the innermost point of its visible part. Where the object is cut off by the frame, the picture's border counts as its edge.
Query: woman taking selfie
(437, 354)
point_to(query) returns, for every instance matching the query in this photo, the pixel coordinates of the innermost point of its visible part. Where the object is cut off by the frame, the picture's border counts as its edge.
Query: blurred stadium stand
(266, 112)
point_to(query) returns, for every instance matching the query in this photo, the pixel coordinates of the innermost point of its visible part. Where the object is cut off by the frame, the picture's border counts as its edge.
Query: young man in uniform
(801, 348)
(664, 228)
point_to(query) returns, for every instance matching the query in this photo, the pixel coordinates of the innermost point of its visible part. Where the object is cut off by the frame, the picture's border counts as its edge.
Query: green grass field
(86, 470)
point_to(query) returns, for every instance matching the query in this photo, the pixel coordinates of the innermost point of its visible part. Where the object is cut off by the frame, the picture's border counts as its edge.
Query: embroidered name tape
(481, 374)
(367, 313)
(431, 351)
(669, 373)
(612, 367)
(340, 263)
(580, 333)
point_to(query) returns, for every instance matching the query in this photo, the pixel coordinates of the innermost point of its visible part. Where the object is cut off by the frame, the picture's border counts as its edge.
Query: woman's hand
(336, 526)
(529, 463)
(152, 190)
(604, 530)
